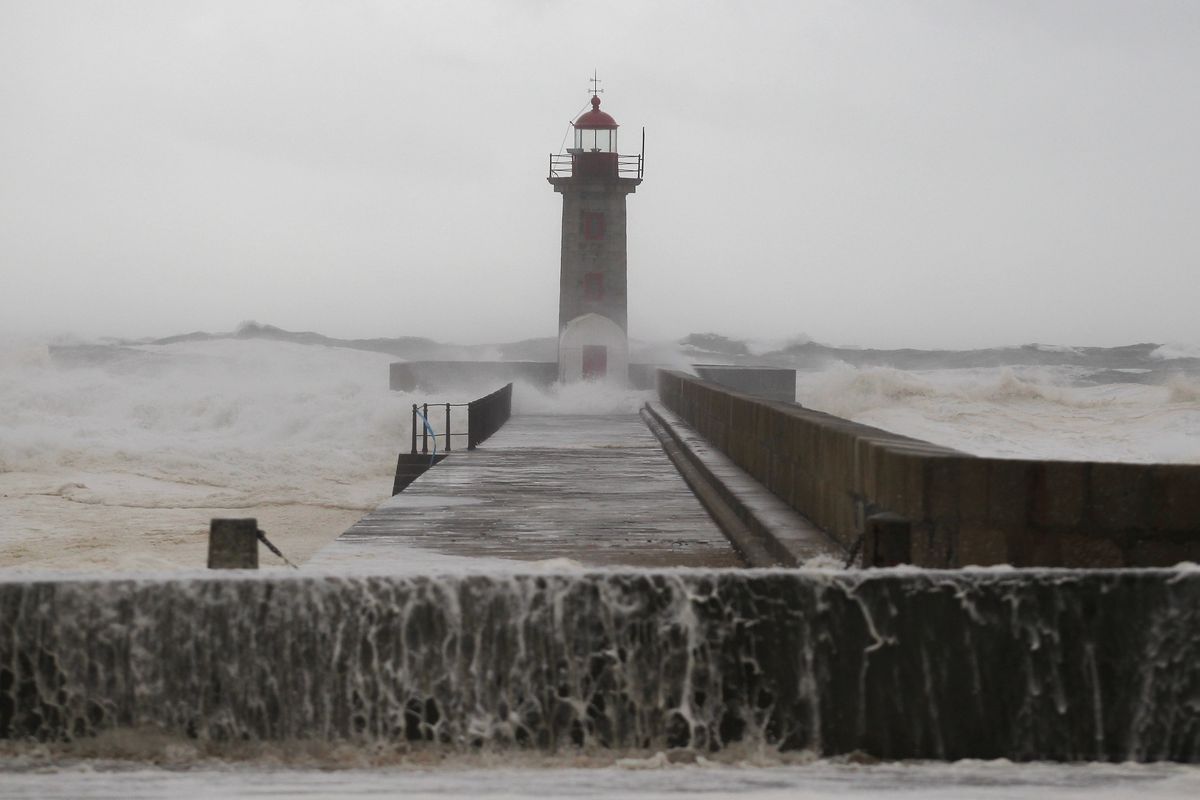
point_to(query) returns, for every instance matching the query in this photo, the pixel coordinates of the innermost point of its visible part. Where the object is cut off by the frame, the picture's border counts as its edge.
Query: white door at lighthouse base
(593, 347)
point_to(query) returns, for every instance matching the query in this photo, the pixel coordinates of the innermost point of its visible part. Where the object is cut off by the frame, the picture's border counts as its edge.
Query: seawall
(769, 383)
(409, 376)
(1076, 665)
(957, 509)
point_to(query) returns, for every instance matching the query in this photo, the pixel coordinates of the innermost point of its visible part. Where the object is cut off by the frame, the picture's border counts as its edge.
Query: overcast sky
(883, 173)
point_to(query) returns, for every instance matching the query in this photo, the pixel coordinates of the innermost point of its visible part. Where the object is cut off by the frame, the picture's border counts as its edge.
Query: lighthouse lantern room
(595, 131)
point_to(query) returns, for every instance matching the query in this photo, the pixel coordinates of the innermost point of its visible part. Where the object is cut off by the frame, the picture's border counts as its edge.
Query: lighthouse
(594, 180)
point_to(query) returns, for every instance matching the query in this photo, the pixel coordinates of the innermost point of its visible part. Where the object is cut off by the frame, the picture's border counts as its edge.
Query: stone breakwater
(957, 510)
(1078, 665)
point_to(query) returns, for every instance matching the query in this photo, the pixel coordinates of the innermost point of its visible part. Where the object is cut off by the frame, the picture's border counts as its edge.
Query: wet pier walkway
(597, 490)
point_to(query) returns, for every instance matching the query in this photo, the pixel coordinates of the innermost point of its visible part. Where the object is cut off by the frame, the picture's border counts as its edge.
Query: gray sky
(884, 173)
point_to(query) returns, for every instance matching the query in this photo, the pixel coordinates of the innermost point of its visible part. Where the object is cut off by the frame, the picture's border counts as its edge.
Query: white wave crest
(1017, 413)
(1175, 350)
(1183, 389)
(119, 456)
(848, 391)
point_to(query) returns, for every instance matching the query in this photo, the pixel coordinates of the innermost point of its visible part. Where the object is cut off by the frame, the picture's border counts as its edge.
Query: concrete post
(233, 544)
(888, 541)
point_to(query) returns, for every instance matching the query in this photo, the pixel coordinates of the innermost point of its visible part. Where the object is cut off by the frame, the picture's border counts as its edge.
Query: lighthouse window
(593, 225)
(593, 286)
(592, 140)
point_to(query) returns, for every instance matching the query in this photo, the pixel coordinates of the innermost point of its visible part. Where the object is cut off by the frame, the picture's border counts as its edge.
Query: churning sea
(115, 457)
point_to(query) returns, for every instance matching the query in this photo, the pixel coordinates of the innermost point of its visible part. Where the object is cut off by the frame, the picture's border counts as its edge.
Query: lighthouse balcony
(595, 165)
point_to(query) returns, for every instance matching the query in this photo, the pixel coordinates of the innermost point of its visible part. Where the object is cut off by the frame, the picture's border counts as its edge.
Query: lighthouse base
(593, 347)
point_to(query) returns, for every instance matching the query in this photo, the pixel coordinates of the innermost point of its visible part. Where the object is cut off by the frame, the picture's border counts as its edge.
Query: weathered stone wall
(1075, 665)
(962, 509)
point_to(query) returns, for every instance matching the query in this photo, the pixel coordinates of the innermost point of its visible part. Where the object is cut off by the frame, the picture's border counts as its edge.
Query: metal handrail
(423, 414)
(484, 417)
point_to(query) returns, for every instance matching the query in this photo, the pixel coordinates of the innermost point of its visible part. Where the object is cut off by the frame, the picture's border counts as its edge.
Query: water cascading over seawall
(1047, 664)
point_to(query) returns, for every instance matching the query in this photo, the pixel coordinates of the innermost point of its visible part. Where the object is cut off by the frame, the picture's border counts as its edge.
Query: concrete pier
(597, 490)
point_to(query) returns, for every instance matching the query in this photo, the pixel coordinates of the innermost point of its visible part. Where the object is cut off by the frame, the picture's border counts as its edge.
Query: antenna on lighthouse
(595, 82)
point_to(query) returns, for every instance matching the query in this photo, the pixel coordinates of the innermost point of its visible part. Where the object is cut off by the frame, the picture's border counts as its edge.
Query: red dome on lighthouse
(595, 119)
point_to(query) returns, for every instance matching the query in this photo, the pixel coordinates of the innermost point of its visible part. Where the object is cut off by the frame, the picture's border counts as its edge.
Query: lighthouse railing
(560, 165)
(628, 166)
